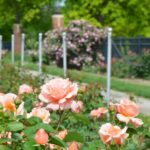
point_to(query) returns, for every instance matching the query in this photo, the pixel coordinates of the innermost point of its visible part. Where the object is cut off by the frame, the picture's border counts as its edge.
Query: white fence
(64, 45)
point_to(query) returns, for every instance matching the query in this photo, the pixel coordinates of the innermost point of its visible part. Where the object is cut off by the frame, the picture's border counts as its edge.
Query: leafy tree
(31, 13)
(127, 18)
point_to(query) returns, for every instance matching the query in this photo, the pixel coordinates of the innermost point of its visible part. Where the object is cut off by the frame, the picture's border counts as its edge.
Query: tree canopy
(127, 18)
(32, 14)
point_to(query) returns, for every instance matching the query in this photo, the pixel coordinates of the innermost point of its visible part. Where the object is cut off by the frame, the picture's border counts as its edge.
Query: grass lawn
(116, 84)
(81, 76)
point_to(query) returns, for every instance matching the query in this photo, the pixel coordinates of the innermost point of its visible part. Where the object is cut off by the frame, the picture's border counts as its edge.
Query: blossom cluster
(56, 95)
(125, 111)
(83, 43)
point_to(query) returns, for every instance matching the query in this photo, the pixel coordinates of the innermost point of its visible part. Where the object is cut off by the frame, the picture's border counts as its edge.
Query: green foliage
(142, 67)
(134, 65)
(57, 141)
(81, 127)
(15, 126)
(127, 18)
(31, 14)
(74, 136)
(12, 77)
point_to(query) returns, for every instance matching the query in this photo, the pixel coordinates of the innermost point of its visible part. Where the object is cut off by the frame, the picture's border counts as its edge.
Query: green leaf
(1, 128)
(74, 136)
(34, 120)
(30, 131)
(80, 117)
(20, 117)
(29, 145)
(57, 141)
(4, 140)
(28, 105)
(17, 136)
(3, 147)
(15, 126)
(94, 145)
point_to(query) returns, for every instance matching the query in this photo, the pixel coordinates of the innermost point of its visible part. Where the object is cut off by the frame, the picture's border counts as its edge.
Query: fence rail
(121, 46)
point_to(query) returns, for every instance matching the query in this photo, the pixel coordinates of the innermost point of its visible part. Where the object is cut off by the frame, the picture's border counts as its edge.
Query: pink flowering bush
(83, 44)
(65, 115)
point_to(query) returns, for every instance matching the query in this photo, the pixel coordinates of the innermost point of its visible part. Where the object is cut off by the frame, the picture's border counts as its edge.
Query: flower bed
(65, 115)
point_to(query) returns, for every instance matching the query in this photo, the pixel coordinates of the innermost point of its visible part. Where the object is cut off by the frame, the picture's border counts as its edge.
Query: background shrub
(83, 42)
(133, 65)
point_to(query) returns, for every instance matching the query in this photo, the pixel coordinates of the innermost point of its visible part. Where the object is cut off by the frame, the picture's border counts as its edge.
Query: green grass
(81, 76)
(116, 84)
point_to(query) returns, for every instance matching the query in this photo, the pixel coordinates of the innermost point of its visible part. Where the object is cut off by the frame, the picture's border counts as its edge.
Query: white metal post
(40, 53)
(22, 48)
(0, 49)
(12, 48)
(64, 54)
(109, 46)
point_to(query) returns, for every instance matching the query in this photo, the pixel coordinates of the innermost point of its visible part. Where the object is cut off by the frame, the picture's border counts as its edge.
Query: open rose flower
(110, 133)
(25, 89)
(128, 108)
(76, 106)
(97, 113)
(59, 92)
(8, 102)
(127, 111)
(41, 137)
(42, 113)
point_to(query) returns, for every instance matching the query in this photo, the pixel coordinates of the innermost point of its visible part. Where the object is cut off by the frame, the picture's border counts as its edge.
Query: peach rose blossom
(41, 137)
(110, 133)
(136, 122)
(25, 89)
(76, 106)
(127, 111)
(39, 104)
(8, 102)
(59, 92)
(52, 107)
(42, 113)
(62, 134)
(73, 146)
(128, 108)
(97, 113)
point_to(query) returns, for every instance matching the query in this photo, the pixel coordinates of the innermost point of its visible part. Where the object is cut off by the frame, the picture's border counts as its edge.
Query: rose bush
(69, 116)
